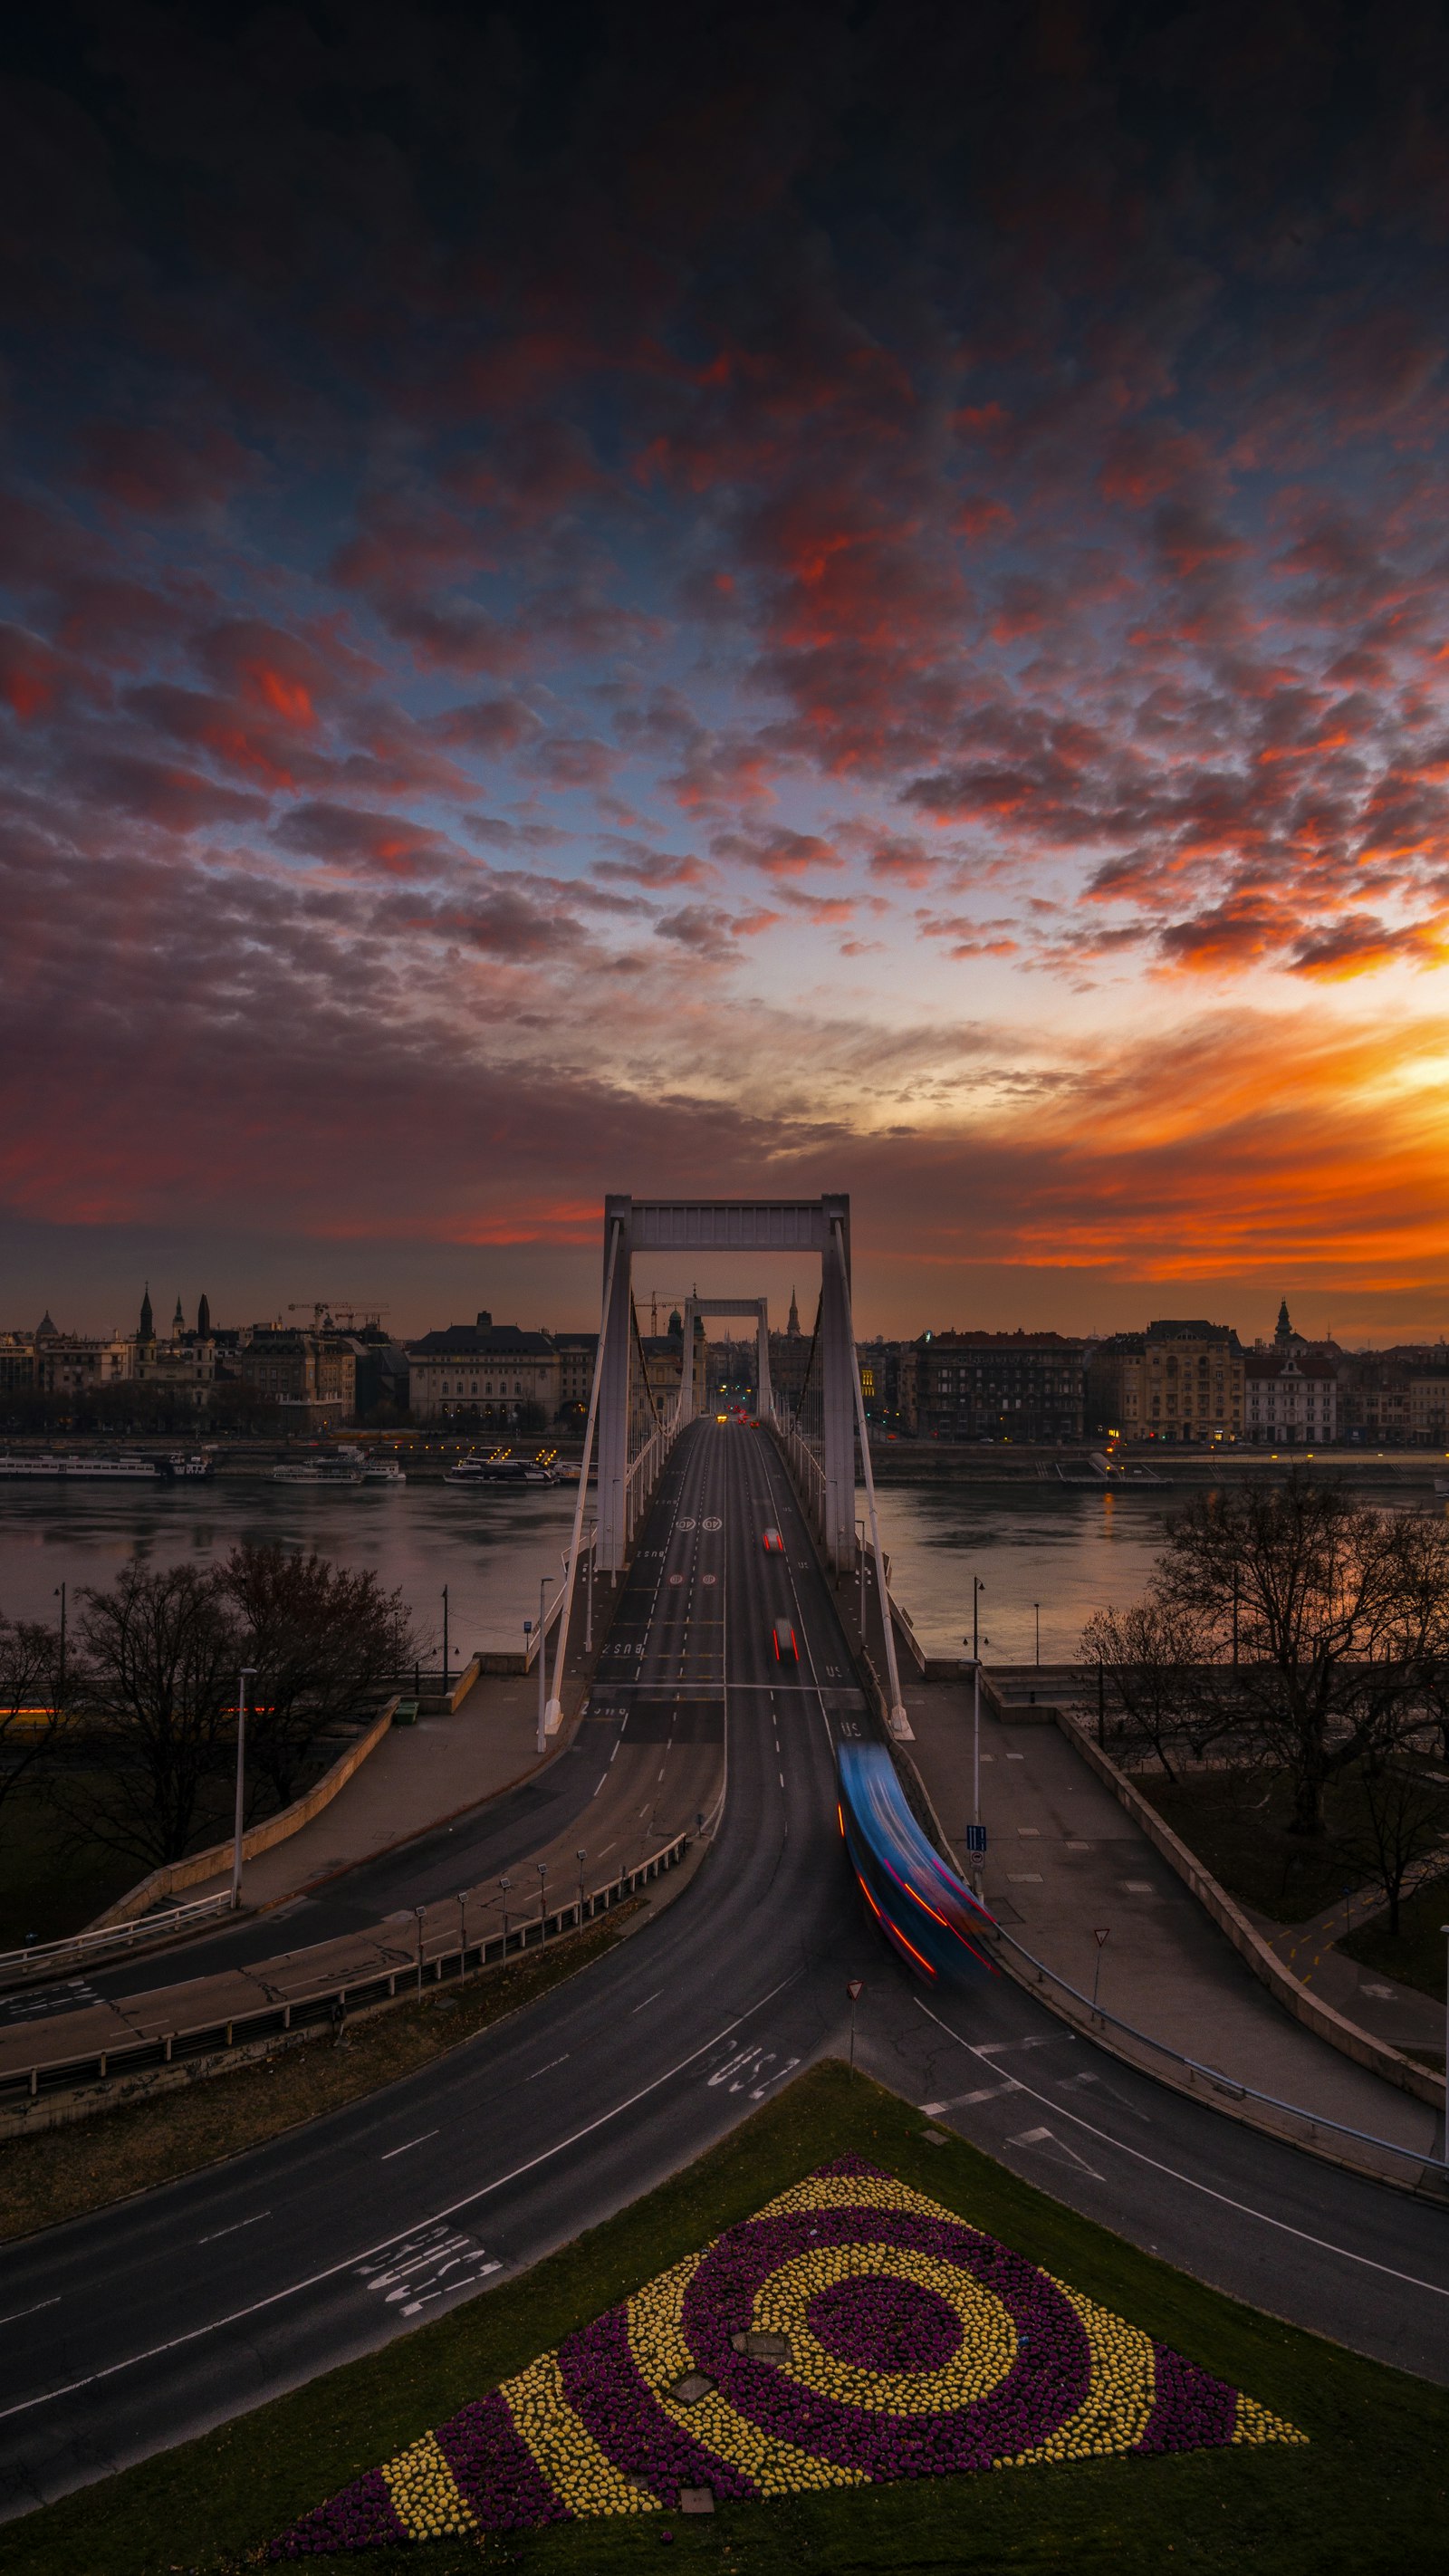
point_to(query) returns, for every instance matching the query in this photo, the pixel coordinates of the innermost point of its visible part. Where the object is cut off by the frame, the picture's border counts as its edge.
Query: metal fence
(329, 2004)
(18, 1967)
(1312, 2124)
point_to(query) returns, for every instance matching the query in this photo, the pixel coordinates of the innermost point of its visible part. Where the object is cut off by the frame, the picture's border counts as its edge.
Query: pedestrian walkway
(419, 1776)
(1065, 1863)
(1397, 2014)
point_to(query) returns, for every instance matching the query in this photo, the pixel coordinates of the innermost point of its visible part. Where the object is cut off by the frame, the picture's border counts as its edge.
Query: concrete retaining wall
(177, 1875)
(1265, 1963)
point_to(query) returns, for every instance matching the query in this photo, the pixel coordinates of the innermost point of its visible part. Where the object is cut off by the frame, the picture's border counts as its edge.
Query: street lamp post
(977, 1588)
(462, 1938)
(1036, 1605)
(420, 1911)
(542, 1667)
(589, 1587)
(247, 1674)
(580, 1856)
(1101, 1939)
(976, 1741)
(504, 1885)
(60, 1679)
(542, 1868)
(860, 1536)
(1444, 1928)
(445, 1637)
(975, 1771)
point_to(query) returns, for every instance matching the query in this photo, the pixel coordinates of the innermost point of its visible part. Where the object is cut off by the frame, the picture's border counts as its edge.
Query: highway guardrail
(20, 1967)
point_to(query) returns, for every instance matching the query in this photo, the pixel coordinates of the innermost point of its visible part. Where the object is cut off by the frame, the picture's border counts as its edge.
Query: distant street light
(420, 1911)
(542, 1868)
(247, 1674)
(504, 1885)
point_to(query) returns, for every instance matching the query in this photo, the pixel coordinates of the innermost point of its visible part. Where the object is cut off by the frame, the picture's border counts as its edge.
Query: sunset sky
(744, 598)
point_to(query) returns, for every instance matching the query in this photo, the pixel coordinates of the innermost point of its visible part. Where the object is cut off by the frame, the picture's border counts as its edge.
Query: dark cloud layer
(500, 513)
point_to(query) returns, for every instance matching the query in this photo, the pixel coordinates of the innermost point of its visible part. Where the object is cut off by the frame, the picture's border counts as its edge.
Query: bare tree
(155, 1683)
(324, 1639)
(29, 1714)
(1403, 1821)
(1324, 1621)
(1148, 1660)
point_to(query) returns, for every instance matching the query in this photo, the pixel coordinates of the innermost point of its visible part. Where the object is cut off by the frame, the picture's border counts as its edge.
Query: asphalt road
(472, 1848)
(139, 2327)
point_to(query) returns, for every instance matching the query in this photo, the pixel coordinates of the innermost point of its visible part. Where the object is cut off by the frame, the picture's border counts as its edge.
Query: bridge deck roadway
(145, 2324)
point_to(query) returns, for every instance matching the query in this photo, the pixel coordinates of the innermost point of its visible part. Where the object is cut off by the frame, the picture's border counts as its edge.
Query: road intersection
(149, 2322)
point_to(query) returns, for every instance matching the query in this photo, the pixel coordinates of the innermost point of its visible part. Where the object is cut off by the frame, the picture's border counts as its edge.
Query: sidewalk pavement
(1397, 2013)
(418, 1777)
(1064, 1860)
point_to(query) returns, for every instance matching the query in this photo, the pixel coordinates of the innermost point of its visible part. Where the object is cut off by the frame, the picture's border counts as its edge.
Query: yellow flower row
(429, 2503)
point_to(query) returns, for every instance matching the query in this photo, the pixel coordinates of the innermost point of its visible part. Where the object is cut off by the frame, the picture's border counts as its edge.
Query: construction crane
(342, 1315)
(669, 1297)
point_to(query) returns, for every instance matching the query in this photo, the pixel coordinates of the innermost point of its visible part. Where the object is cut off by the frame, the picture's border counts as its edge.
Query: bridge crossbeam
(820, 1226)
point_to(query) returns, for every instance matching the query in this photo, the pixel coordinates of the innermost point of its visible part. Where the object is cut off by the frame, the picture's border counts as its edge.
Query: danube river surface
(1072, 1549)
(488, 1548)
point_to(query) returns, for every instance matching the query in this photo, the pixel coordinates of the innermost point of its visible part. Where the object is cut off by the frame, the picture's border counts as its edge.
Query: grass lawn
(1237, 1823)
(1368, 2495)
(60, 2173)
(1417, 1957)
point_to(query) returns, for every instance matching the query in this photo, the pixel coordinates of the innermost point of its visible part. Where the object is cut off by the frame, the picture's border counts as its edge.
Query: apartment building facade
(1182, 1380)
(997, 1386)
(483, 1372)
(1291, 1398)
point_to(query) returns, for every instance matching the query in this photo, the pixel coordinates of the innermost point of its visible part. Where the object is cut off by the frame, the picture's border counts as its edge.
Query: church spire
(1283, 1330)
(178, 1320)
(203, 1318)
(148, 1326)
(792, 1322)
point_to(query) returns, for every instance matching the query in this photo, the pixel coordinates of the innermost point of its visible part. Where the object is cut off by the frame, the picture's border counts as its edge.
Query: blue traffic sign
(976, 1840)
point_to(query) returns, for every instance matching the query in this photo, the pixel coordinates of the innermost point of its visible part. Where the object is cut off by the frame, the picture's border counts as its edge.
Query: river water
(1072, 1549)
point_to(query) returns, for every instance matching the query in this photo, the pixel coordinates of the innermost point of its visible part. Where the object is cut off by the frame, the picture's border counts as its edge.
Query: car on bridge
(773, 1544)
(786, 1650)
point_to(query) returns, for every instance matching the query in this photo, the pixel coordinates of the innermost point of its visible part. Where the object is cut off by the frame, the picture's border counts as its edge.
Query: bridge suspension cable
(554, 1710)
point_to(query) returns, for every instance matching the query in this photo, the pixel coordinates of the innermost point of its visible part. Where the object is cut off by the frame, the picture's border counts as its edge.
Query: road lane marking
(960, 2101)
(1048, 2138)
(17, 2313)
(649, 1999)
(407, 2142)
(1243, 2208)
(546, 2070)
(235, 2230)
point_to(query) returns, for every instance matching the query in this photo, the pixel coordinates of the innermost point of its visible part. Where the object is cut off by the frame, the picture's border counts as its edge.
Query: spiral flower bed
(852, 2331)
